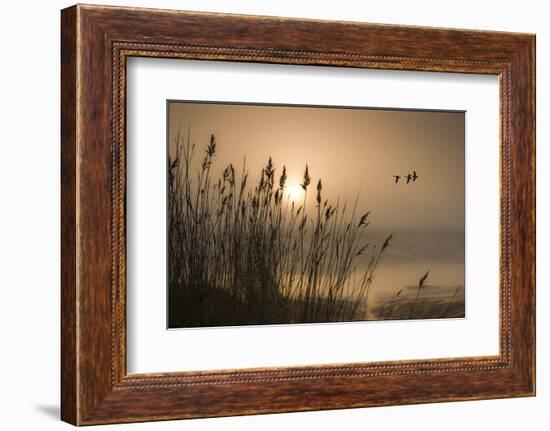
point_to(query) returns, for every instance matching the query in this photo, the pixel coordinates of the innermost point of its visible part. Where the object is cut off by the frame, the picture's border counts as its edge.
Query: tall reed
(421, 284)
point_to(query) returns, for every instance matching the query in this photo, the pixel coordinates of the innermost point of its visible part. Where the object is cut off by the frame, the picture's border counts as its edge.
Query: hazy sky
(351, 150)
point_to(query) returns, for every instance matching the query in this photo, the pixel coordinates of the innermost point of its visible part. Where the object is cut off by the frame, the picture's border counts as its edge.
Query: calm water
(409, 257)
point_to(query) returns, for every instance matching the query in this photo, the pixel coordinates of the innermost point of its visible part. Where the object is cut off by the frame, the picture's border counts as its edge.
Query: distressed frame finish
(95, 43)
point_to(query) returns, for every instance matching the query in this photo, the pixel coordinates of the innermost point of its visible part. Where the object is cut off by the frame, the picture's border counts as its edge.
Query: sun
(295, 192)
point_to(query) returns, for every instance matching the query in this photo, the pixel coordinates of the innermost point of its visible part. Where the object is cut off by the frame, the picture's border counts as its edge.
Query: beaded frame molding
(95, 43)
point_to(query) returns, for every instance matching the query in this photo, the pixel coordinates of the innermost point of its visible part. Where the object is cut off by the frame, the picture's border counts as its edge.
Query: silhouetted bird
(409, 177)
(414, 176)
(396, 178)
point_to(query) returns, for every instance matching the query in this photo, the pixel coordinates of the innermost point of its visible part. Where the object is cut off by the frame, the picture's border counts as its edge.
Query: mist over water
(411, 255)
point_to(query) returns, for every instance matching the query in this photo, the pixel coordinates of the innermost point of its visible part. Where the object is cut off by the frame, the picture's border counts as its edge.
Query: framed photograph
(266, 215)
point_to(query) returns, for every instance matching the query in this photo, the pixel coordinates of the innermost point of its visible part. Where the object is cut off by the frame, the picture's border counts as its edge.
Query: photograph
(288, 214)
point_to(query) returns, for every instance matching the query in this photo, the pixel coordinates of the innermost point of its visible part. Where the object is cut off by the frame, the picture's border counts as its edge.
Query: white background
(29, 215)
(151, 348)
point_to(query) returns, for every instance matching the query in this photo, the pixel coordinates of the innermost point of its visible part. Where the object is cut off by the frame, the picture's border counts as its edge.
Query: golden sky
(352, 150)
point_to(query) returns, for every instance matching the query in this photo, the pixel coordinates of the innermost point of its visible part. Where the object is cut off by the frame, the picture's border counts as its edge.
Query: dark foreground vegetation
(241, 252)
(427, 302)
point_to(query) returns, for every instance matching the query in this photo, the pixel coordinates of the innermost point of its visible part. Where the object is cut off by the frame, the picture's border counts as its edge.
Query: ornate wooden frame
(95, 43)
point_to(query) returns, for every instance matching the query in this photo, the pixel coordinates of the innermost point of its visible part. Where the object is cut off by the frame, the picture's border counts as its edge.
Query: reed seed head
(282, 179)
(423, 279)
(307, 179)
